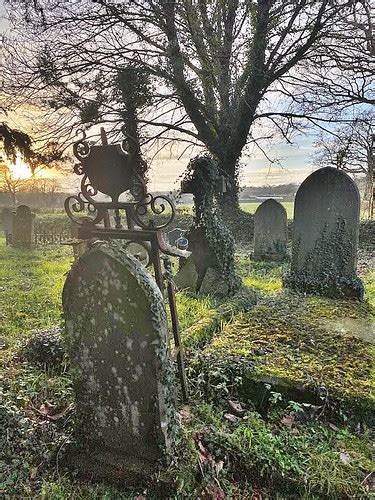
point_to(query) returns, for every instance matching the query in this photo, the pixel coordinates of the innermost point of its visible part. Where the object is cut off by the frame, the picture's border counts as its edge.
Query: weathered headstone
(7, 222)
(23, 227)
(187, 276)
(270, 231)
(325, 236)
(116, 336)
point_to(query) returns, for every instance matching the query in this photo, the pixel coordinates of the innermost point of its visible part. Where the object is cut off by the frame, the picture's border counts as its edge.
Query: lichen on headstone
(23, 228)
(116, 336)
(325, 236)
(270, 231)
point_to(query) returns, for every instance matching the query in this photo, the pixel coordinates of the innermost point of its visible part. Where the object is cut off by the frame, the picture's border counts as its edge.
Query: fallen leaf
(62, 414)
(236, 408)
(213, 492)
(288, 420)
(48, 411)
(203, 453)
(333, 427)
(184, 414)
(231, 418)
(33, 473)
(219, 467)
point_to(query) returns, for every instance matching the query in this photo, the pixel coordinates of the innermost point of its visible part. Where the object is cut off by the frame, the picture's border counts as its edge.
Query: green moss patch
(282, 344)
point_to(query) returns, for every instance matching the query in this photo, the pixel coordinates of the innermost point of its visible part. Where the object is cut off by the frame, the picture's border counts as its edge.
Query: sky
(294, 161)
(294, 165)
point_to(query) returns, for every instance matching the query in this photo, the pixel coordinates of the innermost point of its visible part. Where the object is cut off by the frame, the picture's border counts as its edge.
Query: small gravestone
(23, 228)
(116, 337)
(187, 276)
(325, 236)
(7, 221)
(270, 231)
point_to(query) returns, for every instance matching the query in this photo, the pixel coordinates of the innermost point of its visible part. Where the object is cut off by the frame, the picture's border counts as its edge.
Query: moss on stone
(289, 349)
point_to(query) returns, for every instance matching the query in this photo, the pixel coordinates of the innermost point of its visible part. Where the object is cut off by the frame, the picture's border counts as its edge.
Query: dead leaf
(231, 418)
(48, 411)
(184, 415)
(213, 492)
(288, 420)
(33, 473)
(45, 409)
(333, 427)
(62, 414)
(236, 408)
(203, 453)
(219, 467)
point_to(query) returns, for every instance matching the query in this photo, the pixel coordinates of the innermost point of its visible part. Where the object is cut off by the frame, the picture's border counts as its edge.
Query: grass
(31, 285)
(276, 448)
(284, 345)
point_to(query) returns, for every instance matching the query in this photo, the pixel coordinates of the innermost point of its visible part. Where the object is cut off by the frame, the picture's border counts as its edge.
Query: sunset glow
(20, 169)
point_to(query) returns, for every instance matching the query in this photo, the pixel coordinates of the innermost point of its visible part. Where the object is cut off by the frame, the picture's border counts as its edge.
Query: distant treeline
(35, 200)
(286, 191)
(55, 200)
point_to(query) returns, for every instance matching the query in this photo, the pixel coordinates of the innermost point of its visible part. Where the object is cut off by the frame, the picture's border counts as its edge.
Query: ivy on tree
(208, 230)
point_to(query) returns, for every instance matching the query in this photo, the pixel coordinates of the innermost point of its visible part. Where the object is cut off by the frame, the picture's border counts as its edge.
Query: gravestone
(325, 236)
(270, 231)
(187, 276)
(7, 221)
(116, 337)
(23, 228)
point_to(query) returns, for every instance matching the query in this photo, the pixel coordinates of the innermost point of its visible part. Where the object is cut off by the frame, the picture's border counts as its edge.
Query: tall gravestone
(116, 336)
(325, 236)
(23, 228)
(7, 221)
(270, 231)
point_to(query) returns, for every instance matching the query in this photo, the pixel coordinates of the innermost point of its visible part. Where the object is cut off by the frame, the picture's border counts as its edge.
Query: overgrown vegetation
(242, 435)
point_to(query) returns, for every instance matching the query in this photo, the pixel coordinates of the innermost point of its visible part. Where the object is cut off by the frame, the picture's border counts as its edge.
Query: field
(252, 206)
(301, 369)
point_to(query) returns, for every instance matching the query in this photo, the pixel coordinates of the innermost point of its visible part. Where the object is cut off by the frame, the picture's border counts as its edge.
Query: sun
(20, 169)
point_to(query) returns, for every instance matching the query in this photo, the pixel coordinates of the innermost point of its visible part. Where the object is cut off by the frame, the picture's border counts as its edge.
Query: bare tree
(351, 148)
(218, 68)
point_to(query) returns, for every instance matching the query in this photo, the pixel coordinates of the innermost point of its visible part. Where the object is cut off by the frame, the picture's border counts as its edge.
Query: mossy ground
(284, 447)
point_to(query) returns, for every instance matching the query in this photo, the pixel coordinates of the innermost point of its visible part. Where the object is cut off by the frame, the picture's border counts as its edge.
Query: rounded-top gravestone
(7, 222)
(325, 236)
(116, 336)
(23, 227)
(270, 231)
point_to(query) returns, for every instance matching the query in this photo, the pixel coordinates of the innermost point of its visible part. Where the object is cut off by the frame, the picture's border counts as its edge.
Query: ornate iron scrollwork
(108, 169)
(157, 205)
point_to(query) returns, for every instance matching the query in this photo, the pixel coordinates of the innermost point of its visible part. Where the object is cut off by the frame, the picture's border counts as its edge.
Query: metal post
(176, 328)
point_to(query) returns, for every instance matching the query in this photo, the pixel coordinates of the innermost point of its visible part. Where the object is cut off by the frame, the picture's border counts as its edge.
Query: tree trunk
(228, 200)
